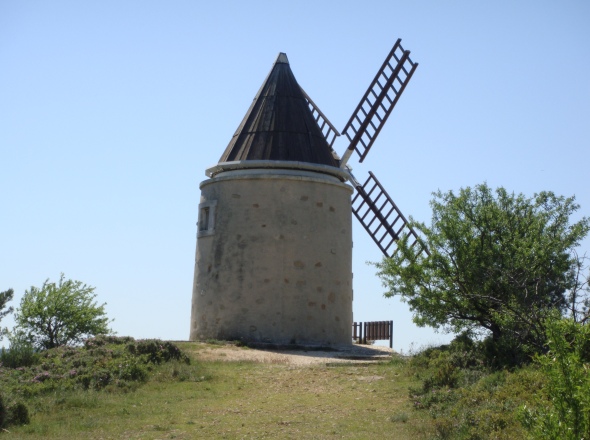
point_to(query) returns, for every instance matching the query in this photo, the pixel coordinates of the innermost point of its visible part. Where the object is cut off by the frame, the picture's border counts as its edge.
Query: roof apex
(279, 125)
(282, 58)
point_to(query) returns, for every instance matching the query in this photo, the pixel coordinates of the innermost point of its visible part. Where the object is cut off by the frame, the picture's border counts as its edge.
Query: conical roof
(279, 125)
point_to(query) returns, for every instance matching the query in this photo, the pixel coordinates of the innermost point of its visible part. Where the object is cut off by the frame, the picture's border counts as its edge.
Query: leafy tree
(61, 314)
(4, 298)
(499, 264)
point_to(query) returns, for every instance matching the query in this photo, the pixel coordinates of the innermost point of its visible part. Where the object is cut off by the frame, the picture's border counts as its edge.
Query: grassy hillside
(150, 391)
(214, 400)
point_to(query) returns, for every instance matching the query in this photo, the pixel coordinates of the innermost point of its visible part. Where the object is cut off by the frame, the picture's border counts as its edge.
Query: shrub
(2, 412)
(103, 363)
(441, 373)
(21, 353)
(465, 397)
(565, 414)
(505, 352)
(18, 414)
(157, 351)
(101, 340)
(133, 369)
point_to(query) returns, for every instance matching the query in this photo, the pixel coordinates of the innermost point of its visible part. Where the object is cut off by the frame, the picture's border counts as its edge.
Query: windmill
(274, 243)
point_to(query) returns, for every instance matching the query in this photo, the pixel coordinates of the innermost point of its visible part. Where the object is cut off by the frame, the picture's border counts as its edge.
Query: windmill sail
(381, 217)
(330, 132)
(376, 106)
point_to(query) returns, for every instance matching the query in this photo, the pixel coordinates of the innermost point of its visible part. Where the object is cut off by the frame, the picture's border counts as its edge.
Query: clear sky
(111, 111)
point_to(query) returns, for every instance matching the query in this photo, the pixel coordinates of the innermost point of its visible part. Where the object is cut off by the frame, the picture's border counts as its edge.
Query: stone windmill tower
(274, 241)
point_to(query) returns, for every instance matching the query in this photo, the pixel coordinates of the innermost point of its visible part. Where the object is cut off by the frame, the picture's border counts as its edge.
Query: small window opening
(204, 226)
(206, 222)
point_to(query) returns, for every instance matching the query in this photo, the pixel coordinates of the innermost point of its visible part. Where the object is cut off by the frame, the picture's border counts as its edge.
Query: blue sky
(111, 111)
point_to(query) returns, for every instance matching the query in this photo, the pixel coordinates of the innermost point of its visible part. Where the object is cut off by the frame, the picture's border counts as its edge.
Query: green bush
(505, 352)
(18, 414)
(101, 340)
(2, 412)
(467, 399)
(445, 372)
(157, 351)
(103, 363)
(565, 412)
(21, 353)
(133, 369)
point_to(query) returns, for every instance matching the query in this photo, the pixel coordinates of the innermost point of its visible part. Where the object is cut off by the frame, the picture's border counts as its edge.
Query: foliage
(5, 297)
(102, 363)
(157, 351)
(15, 413)
(467, 400)
(20, 354)
(2, 412)
(18, 414)
(565, 415)
(61, 314)
(579, 296)
(499, 264)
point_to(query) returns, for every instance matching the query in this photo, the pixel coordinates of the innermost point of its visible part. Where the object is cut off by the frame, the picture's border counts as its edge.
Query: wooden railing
(373, 331)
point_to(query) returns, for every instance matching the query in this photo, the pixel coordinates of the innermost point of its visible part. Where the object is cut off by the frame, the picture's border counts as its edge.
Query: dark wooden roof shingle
(279, 124)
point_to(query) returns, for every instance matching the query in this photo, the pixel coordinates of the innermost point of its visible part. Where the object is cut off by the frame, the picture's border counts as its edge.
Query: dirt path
(343, 354)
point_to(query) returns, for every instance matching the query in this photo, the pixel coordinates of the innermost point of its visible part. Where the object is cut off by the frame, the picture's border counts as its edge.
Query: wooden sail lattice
(372, 205)
(329, 131)
(381, 217)
(376, 105)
